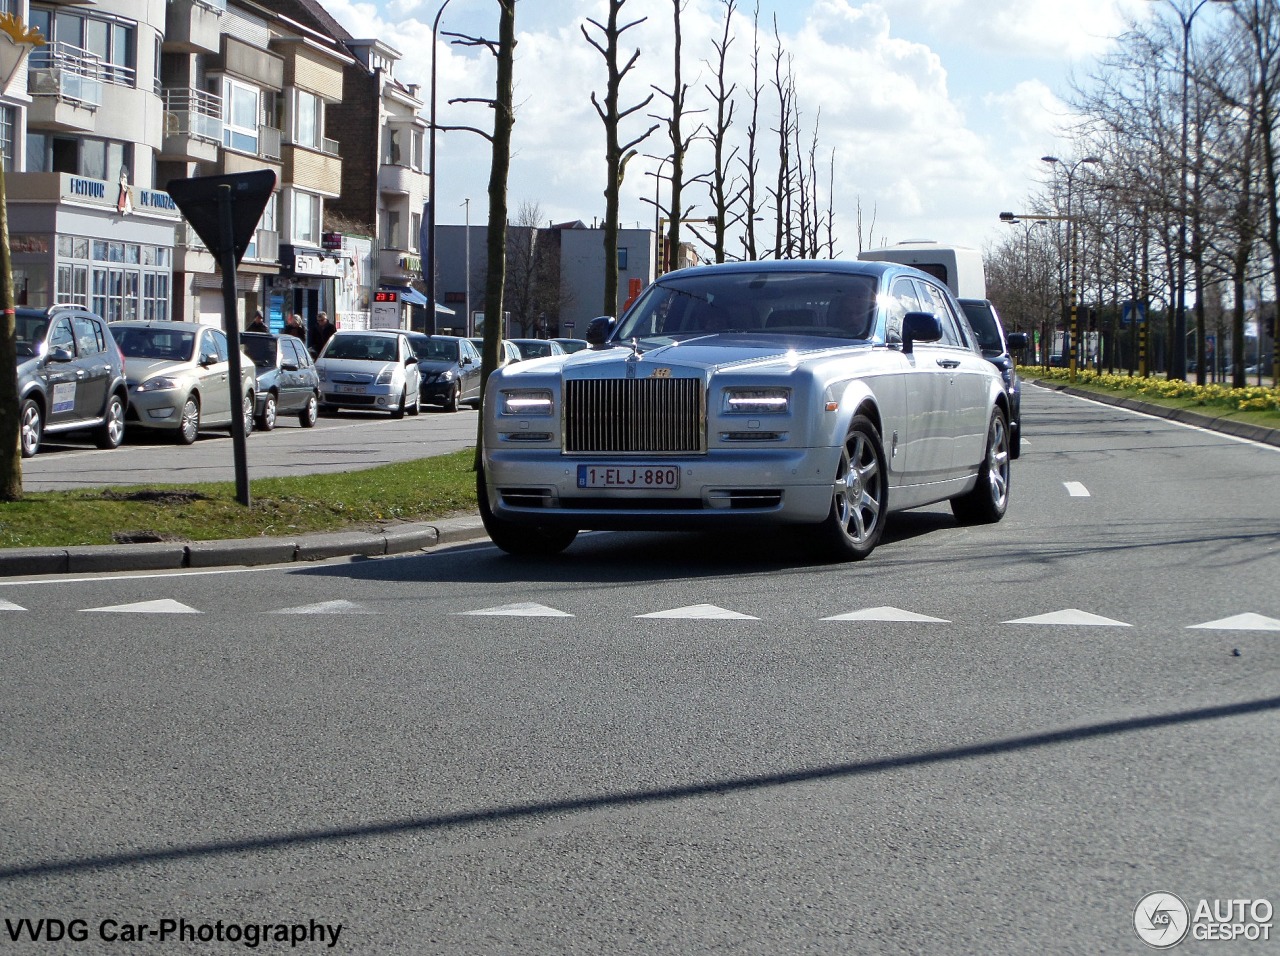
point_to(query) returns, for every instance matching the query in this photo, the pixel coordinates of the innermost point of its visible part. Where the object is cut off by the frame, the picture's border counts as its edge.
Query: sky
(931, 115)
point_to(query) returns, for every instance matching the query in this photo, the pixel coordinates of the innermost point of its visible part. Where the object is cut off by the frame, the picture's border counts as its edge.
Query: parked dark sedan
(450, 368)
(996, 346)
(287, 380)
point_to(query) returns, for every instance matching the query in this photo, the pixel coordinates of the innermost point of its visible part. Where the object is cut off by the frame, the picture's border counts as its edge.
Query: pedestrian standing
(324, 332)
(257, 325)
(293, 326)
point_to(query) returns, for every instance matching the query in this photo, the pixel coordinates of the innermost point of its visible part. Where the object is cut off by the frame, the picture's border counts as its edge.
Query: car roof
(842, 266)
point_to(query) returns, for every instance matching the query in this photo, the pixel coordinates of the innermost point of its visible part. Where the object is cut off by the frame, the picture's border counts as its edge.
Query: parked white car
(374, 370)
(817, 394)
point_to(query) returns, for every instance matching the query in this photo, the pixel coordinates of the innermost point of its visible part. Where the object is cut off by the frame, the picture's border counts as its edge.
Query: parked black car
(450, 368)
(288, 383)
(70, 376)
(996, 346)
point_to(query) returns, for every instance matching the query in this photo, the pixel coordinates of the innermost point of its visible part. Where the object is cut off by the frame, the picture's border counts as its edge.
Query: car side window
(208, 350)
(903, 298)
(89, 339)
(61, 337)
(938, 306)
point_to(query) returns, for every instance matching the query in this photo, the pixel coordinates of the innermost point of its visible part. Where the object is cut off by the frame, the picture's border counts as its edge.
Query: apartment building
(381, 135)
(125, 96)
(80, 123)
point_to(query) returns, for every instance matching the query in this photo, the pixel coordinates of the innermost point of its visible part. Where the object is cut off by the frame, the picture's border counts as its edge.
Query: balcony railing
(73, 73)
(190, 112)
(269, 142)
(265, 246)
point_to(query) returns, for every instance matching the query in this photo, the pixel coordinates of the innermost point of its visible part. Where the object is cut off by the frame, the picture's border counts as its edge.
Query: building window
(308, 119)
(415, 230)
(107, 40)
(418, 161)
(80, 156)
(240, 111)
(392, 154)
(391, 233)
(7, 123)
(622, 258)
(306, 218)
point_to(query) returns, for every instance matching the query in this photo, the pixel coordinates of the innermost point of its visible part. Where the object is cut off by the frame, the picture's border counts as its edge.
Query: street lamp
(430, 267)
(657, 210)
(1014, 220)
(466, 282)
(1178, 360)
(1071, 253)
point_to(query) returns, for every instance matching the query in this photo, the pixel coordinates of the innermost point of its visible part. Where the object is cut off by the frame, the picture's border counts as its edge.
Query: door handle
(949, 363)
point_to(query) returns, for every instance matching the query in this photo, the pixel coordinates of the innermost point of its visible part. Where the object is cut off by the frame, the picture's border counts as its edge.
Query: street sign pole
(240, 451)
(224, 211)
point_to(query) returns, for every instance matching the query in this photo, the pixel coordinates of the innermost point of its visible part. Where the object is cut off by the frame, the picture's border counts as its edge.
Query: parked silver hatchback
(375, 370)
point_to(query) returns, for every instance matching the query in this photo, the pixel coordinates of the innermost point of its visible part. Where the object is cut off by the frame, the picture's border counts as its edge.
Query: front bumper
(719, 489)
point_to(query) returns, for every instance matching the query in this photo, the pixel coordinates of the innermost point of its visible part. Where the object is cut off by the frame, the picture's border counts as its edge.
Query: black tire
(310, 412)
(859, 496)
(30, 427)
(989, 499)
(521, 540)
(416, 407)
(249, 403)
(111, 432)
(189, 422)
(267, 420)
(451, 402)
(399, 410)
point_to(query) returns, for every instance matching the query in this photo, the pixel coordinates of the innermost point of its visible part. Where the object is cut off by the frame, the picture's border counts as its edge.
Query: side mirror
(1016, 341)
(919, 327)
(207, 359)
(60, 355)
(600, 329)
(289, 367)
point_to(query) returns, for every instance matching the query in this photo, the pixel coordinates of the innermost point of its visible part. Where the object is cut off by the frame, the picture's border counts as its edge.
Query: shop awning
(409, 294)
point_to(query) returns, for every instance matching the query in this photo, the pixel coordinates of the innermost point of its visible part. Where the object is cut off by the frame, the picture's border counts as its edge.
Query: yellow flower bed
(1252, 398)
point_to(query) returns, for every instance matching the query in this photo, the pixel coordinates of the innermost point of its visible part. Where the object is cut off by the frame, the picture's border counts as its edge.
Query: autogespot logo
(1161, 920)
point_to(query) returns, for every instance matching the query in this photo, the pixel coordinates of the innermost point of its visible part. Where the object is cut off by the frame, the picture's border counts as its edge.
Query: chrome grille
(664, 416)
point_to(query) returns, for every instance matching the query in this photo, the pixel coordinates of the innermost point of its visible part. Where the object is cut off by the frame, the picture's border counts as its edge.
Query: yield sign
(199, 201)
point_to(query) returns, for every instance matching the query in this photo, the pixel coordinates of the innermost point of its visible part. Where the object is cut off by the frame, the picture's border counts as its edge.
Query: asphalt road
(336, 443)
(981, 740)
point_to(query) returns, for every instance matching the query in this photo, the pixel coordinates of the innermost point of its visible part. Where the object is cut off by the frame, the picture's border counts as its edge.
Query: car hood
(707, 352)
(357, 366)
(139, 369)
(436, 365)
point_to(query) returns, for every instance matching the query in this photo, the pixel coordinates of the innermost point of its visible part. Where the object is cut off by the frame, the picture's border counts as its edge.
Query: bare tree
(617, 153)
(751, 161)
(532, 276)
(503, 50)
(10, 428)
(725, 189)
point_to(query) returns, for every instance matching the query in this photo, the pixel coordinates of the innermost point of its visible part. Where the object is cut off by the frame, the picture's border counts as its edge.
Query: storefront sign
(326, 267)
(96, 192)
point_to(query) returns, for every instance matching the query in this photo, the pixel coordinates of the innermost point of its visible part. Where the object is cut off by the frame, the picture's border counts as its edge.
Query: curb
(239, 552)
(1258, 433)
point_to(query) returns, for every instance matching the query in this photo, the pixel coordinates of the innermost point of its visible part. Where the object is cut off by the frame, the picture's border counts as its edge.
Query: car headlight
(528, 402)
(757, 401)
(157, 384)
(386, 376)
(321, 373)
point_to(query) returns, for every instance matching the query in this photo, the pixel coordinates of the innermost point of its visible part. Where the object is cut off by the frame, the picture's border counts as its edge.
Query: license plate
(350, 389)
(647, 477)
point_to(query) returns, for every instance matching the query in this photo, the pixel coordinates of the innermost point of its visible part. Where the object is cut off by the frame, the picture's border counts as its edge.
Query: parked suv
(70, 376)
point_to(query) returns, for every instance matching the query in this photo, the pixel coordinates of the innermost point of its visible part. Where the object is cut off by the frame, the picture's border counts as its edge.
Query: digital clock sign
(384, 296)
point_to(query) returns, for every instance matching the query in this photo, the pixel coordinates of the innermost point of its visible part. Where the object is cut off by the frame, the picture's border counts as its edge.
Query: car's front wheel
(111, 432)
(400, 409)
(859, 496)
(267, 420)
(451, 401)
(189, 422)
(31, 427)
(521, 540)
(989, 499)
(310, 412)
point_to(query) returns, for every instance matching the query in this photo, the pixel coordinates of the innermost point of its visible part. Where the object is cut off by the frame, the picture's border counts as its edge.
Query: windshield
(430, 349)
(361, 348)
(261, 350)
(156, 343)
(783, 303)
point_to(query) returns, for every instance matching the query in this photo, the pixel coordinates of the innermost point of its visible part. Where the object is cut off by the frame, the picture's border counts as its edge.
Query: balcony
(192, 125)
(66, 85)
(401, 180)
(315, 170)
(264, 247)
(194, 26)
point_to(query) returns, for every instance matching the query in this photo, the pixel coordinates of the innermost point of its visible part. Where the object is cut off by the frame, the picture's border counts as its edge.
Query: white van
(960, 267)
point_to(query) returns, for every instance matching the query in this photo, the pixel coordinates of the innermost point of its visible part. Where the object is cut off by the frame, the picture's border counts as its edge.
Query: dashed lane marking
(519, 610)
(1241, 622)
(1070, 616)
(885, 614)
(10, 606)
(706, 612)
(327, 607)
(163, 606)
(1075, 489)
